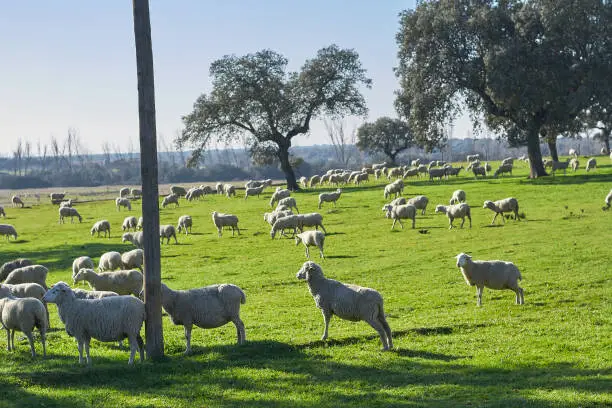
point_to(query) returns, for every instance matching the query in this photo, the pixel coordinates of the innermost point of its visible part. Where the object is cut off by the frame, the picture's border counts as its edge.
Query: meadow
(554, 351)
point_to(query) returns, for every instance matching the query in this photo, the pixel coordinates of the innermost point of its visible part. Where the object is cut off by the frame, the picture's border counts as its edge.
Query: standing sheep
(419, 202)
(16, 201)
(399, 212)
(575, 164)
(349, 302)
(591, 164)
(129, 222)
(330, 197)
(491, 274)
(282, 223)
(311, 238)
(288, 202)
(124, 282)
(140, 223)
(123, 202)
(184, 223)
(132, 259)
(23, 314)
(10, 266)
(2, 212)
(608, 201)
(124, 192)
(225, 220)
(167, 231)
(458, 196)
(278, 195)
(8, 231)
(230, 190)
(101, 226)
(253, 191)
(135, 238)
(314, 180)
(69, 212)
(310, 220)
(178, 190)
(81, 262)
(460, 210)
(135, 193)
(27, 274)
(109, 261)
(509, 204)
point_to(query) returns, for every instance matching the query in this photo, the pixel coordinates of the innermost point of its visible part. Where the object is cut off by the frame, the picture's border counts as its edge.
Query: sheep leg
(326, 318)
(133, 348)
(8, 339)
(307, 252)
(494, 217)
(80, 347)
(86, 344)
(383, 321)
(175, 240)
(31, 341)
(413, 222)
(519, 296)
(377, 325)
(140, 347)
(188, 338)
(479, 290)
(321, 252)
(239, 330)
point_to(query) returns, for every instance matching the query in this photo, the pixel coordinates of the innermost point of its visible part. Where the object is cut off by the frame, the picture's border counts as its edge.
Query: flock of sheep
(113, 311)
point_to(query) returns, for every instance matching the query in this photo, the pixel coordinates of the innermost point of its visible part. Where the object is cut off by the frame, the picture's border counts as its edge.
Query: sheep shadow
(335, 233)
(340, 256)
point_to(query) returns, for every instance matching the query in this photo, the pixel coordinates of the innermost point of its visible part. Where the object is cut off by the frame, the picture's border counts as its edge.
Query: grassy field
(554, 351)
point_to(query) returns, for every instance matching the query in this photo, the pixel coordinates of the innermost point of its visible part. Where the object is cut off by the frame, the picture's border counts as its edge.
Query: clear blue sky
(71, 64)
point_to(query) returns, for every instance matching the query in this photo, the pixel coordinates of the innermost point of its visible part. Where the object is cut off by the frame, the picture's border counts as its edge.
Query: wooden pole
(148, 171)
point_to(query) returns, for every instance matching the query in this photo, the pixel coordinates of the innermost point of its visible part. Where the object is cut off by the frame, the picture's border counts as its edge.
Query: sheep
(225, 220)
(556, 165)
(110, 318)
(508, 160)
(454, 171)
(219, 188)
(473, 157)
(16, 201)
(124, 192)
(140, 223)
(572, 152)
(491, 274)
(399, 201)
(129, 222)
(331, 197)
(254, 184)
(178, 191)
(109, 261)
(230, 190)
(184, 223)
(349, 302)
(271, 217)
(278, 195)
(194, 193)
(27, 274)
(411, 173)
(132, 259)
(288, 202)
(167, 231)
(439, 173)
(135, 192)
(67, 203)
(361, 178)
(56, 197)
(282, 223)
(487, 167)
(591, 164)
(23, 314)
(399, 212)
(479, 171)
(394, 188)
(509, 204)
(460, 210)
(101, 226)
(608, 201)
(2, 212)
(136, 238)
(123, 202)
(170, 199)
(314, 180)
(394, 172)
(574, 164)
(123, 282)
(10, 266)
(310, 220)
(29, 290)
(69, 212)
(504, 168)
(80, 263)
(252, 191)
(415, 163)
(604, 151)
(419, 202)
(311, 238)
(92, 294)
(8, 230)
(458, 196)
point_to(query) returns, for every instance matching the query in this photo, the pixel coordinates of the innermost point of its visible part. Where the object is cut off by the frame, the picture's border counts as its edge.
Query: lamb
(225, 220)
(132, 259)
(2, 213)
(208, 307)
(8, 230)
(110, 318)
(331, 197)
(136, 238)
(101, 226)
(349, 302)
(509, 204)
(399, 212)
(80, 263)
(178, 191)
(271, 217)
(591, 164)
(27, 274)
(278, 195)
(311, 238)
(184, 223)
(458, 196)
(230, 190)
(556, 165)
(252, 191)
(129, 222)
(69, 212)
(290, 203)
(167, 231)
(124, 192)
(460, 210)
(608, 201)
(123, 282)
(479, 171)
(282, 223)
(504, 168)
(23, 314)
(10, 266)
(574, 164)
(135, 192)
(310, 220)
(419, 202)
(491, 274)
(123, 202)
(16, 201)
(170, 199)
(109, 261)
(314, 180)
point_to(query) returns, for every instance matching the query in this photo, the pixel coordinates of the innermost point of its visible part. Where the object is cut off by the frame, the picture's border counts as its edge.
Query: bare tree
(17, 157)
(41, 151)
(27, 155)
(341, 139)
(106, 150)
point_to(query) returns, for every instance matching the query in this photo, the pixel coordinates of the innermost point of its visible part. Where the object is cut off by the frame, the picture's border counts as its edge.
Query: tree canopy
(523, 66)
(385, 135)
(255, 95)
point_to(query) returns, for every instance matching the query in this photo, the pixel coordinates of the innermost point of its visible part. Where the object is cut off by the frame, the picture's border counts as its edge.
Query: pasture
(554, 351)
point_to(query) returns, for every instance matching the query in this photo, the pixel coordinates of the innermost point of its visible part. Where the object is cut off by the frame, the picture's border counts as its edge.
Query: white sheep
(310, 220)
(314, 180)
(67, 203)
(101, 226)
(279, 194)
(271, 217)
(419, 202)
(479, 171)
(80, 263)
(574, 164)
(330, 197)
(608, 200)
(230, 190)
(16, 201)
(170, 199)
(253, 191)
(91, 294)
(135, 192)
(458, 196)
(123, 282)
(225, 220)
(124, 192)
(399, 201)
(8, 231)
(10, 266)
(132, 259)
(123, 202)
(437, 173)
(557, 165)
(460, 210)
(2, 212)
(282, 223)
(69, 212)
(591, 164)
(30, 273)
(136, 238)
(129, 222)
(109, 261)
(399, 212)
(349, 302)
(491, 274)
(208, 307)
(184, 223)
(572, 152)
(167, 231)
(509, 204)
(289, 203)
(178, 190)
(311, 238)
(56, 197)
(219, 188)
(140, 223)
(23, 314)
(394, 188)
(111, 318)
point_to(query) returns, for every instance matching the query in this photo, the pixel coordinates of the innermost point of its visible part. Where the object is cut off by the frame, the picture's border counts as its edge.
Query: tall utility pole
(148, 172)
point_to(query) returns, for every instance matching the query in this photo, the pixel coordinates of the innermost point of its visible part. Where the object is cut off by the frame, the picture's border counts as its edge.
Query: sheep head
(462, 259)
(4, 292)
(440, 208)
(307, 270)
(489, 204)
(127, 237)
(81, 274)
(298, 239)
(57, 291)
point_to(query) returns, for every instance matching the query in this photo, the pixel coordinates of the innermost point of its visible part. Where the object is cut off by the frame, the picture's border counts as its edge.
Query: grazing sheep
(460, 210)
(509, 204)
(132, 259)
(282, 208)
(361, 178)
(124, 192)
(8, 230)
(310, 220)
(399, 201)
(2, 213)
(458, 196)
(140, 223)
(123, 282)
(109, 261)
(69, 212)
(67, 203)
(288, 202)
(574, 164)
(219, 188)
(170, 199)
(453, 171)
(608, 200)
(230, 190)
(10, 266)
(475, 163)
(194, 193)
(415, 163)
(556, 165)
(271, 217)
(411, 173)
(129, 222)
(396, 188)
(184, 223)
(314, 180)
(23, 314)
(253, 183)
(101, 226)
(491, 274)
(178, 190)
(311, 238)
(504, 168)
(349, 302)
(591, 164)
(473, 157)
(479, 171)
(330, 197)
(278, 195)
(81, 262)
(253, 191)
(225, 220)
(419, 202)
(508, 161)
(110, 318)
(282, 223)
(16, 201)
(399, 212)
(135, 192)
(27, 274)
(123, 202)
(167, 231)
(136, 238)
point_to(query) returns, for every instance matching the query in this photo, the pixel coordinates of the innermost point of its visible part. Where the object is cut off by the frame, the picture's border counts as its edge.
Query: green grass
(555, 351)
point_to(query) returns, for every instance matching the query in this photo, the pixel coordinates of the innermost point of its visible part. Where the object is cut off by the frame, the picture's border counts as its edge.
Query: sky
(71, 64)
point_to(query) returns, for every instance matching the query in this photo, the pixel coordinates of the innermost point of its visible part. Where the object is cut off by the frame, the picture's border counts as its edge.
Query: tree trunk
(392, 157)
(283, 155)
(606, 139)
(535, 154)
(552, 146)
